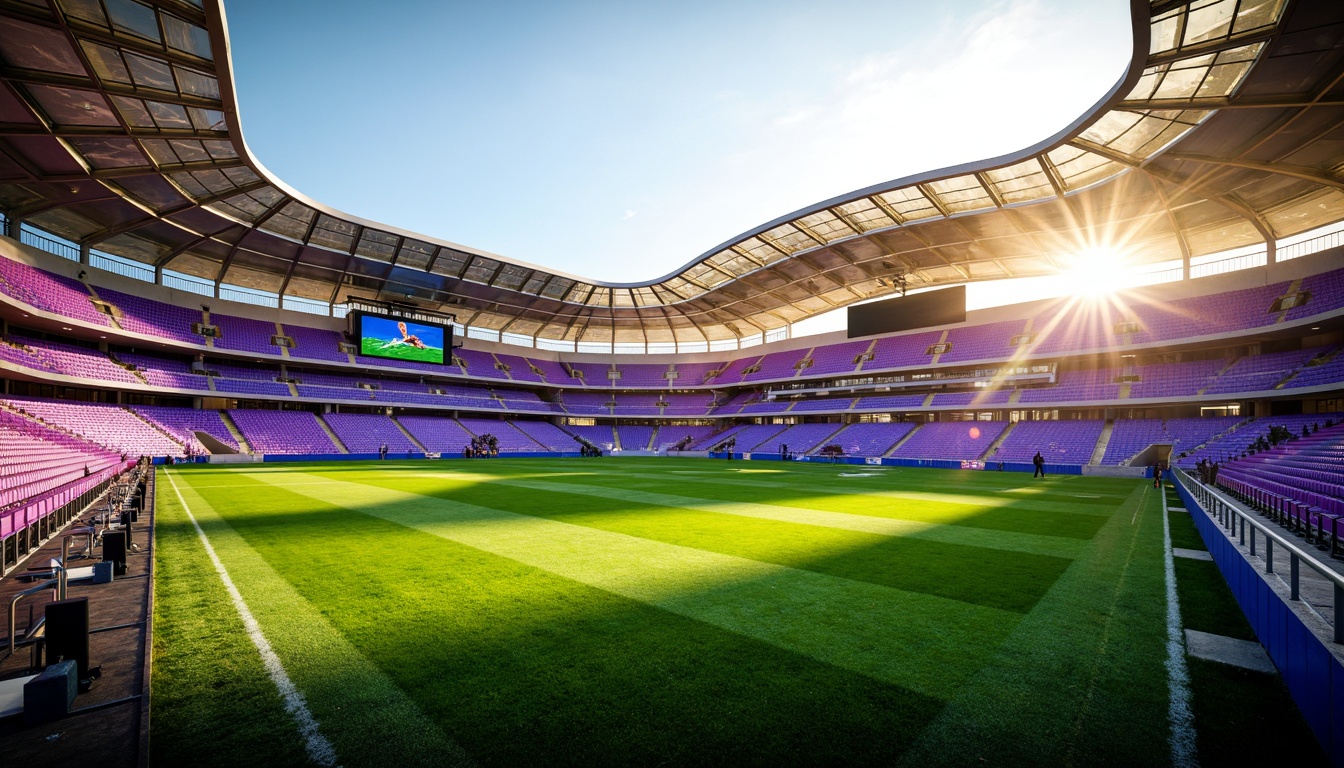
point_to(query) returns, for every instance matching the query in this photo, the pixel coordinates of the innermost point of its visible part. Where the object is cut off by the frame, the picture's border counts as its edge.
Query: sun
(1095, 272)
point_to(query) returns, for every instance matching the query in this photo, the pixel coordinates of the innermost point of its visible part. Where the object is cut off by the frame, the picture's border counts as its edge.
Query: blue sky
(620, 140)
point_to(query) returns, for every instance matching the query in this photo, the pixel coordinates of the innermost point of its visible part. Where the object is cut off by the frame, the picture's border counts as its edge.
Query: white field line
(1183, 749)
(319, 749)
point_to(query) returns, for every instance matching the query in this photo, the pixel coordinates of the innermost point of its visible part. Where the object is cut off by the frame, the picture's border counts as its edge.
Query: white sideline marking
(319, 749)
(1178, 677)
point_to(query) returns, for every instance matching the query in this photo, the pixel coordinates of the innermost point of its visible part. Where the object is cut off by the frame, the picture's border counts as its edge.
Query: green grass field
(374, 348)
(662, 611)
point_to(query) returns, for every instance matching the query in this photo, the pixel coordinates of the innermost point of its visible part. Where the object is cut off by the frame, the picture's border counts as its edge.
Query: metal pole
(1292, 574)
(1339, 614)
(1269, 555)
(1252, 541)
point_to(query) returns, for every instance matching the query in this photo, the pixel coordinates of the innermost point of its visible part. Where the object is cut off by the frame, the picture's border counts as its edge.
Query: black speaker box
(68, 633)
(114, 549)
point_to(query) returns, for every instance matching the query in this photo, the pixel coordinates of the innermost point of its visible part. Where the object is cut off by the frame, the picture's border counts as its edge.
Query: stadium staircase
(865, 356)
(280, 331)
(155, 427)
(1312, 363)
(107, 308)
(237, 434)
(1214, 378)
(1104, 440)
(903, 440)
(419, 445)
(131, 368)
(1293, 288)
(994, 446)
(941, 340)
(335, 441)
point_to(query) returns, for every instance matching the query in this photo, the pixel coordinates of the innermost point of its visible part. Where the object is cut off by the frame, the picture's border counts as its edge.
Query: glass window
(134, 18)
(185, 37)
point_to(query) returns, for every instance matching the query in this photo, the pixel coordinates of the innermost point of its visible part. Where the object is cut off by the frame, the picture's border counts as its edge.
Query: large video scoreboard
(401, 333)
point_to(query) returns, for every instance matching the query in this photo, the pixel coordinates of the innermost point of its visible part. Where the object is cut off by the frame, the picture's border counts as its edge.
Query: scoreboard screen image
(402, 339)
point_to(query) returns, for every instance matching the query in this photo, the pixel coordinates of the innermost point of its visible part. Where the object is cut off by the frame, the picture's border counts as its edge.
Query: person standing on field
(1038, 461)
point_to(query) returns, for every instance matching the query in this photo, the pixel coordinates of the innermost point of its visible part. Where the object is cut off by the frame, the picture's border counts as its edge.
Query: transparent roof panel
(168, 115)
(29, 46)
(189, 151)
(150, 73)
(241, 175)
(70, 106)
(909, 203)
(220, 150)
(557, 288)
(961, 194)
(376, 245)
(106, 62)
(133, 18)
(90, 11)
(758, 249)
(865, 214)
(1084, 169)
(207, 119)
(734, 262)
(135, 114)
(185, 37)
(414, 253)
(789, 238)
(333, 233)
(110, 153)
(216, 182)
(1022, 182)
(1209, 20)
(449, 263)
(291, 221)
(1256, 14)
(249, 206)
(481, 270)
(194, 83)
(827, 226)
(159, 150)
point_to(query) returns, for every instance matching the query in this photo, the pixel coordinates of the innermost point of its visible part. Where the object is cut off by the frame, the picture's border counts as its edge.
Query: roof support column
(84, 255)
(14, 226)
(1185, 266)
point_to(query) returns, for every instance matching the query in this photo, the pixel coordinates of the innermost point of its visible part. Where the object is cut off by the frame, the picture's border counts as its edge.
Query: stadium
(286, 486)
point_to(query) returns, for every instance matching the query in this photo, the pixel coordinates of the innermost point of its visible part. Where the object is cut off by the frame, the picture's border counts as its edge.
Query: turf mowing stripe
(368, 717)
(1009, 580)
(1081, 680)
(923, 643)
(994, 514)
(1183, 744)
(886, 526)
(990, 500)
(319, 749)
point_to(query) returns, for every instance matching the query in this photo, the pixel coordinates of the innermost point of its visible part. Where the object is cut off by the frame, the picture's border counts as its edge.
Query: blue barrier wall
(1314, 677)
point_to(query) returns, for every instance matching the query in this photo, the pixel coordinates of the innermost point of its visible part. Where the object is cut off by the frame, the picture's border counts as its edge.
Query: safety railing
(1238, 523)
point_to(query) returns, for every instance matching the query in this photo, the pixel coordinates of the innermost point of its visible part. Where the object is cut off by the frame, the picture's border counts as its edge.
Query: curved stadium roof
(120, 131)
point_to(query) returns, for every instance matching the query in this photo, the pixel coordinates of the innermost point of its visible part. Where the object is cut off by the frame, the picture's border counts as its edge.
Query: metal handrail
(1228, 512)
(58, 587)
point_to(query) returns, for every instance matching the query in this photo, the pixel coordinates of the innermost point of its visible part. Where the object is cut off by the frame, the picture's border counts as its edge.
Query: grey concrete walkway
(1247, 654)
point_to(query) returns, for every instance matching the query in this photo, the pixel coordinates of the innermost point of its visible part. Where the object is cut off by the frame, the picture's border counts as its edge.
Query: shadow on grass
(524, 667)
